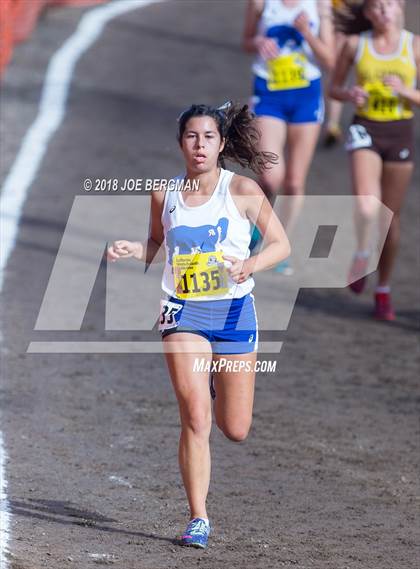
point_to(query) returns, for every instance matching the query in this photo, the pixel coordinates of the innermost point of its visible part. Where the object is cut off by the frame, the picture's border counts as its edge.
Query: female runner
(209, 308)
(292, 39)
(386, 59)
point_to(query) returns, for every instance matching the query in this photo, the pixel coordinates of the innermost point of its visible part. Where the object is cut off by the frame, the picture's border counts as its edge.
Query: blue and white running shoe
(197, 533)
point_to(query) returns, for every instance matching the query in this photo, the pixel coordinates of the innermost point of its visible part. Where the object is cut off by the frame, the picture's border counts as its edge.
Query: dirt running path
(327, 478)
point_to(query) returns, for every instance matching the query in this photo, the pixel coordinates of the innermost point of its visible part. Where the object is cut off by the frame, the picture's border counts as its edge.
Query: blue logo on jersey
(288, 38)
(184, 239)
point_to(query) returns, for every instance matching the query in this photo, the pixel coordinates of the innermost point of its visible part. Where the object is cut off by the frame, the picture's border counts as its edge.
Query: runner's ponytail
(241, 140)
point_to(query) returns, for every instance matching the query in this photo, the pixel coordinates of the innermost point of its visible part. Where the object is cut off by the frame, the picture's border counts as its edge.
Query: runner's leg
(334, 107)
(366, 169)
(395, 180)
(273, 138)
(235, 395)
(192, 392)
(301, 142)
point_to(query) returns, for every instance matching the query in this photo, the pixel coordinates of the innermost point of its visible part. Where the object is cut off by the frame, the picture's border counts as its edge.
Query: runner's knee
(367, 207)
(197, 422)
(236, 433)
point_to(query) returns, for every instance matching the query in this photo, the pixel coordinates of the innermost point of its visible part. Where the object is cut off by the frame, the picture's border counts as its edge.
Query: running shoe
(333, 135)
(196, 534)
(383, 306)
(357, 278)
(284, 268)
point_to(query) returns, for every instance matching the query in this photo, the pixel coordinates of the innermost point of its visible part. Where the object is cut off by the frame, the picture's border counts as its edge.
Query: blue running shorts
(229, 325)
(292, 106)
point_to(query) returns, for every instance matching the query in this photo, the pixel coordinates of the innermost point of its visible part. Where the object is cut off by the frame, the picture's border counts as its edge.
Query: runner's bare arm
(156, 236)
(253, 13)
(252, 203)
(344, 62)
(322, 45)
(143, 251)
(252, 41)
(412, 94)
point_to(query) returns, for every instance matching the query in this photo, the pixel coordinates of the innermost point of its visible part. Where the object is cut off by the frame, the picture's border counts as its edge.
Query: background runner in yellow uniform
(381, 140)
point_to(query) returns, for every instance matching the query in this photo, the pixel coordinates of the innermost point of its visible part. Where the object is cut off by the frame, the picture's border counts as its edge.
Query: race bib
(358, 138)
(199, 274)
(382, 104)
(287, 72)
(168, 313)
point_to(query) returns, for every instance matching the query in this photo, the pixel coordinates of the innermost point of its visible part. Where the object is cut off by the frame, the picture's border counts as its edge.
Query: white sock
(385, 288)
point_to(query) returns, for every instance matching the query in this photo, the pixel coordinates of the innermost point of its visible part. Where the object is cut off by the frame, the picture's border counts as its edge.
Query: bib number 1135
(199, 274)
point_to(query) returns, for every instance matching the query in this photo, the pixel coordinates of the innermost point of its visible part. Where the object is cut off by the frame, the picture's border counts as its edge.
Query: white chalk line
(52, 109)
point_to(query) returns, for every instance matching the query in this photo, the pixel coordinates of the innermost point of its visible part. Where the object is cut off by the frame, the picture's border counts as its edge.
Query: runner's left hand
(238, 271)
(395, 83)
(301, 23)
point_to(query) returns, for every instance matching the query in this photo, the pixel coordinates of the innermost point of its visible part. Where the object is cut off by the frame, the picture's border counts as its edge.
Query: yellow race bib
(199, 274)
(382, 104)
(287, 72)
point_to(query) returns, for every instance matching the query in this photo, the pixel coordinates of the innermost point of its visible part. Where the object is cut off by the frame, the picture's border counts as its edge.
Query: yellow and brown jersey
(371, 69)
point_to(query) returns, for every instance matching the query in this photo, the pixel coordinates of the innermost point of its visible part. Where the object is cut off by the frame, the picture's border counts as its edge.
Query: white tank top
(215, 226)
(277, 22)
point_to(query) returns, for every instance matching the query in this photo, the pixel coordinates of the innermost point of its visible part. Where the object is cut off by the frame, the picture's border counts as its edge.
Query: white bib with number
(297, 64)
(358, 137)
(167, 315)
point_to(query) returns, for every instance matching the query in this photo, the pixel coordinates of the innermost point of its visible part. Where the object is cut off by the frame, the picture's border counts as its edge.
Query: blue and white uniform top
(276, 22)
(196, 237)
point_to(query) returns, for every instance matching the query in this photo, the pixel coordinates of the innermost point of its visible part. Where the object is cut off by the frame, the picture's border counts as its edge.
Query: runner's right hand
(357, 95)
(266, 47)
(123, 250)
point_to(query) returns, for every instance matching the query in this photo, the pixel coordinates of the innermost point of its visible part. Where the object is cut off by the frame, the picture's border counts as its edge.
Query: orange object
(18, 18)
(76, 2)
(25, 16)
(6, 32)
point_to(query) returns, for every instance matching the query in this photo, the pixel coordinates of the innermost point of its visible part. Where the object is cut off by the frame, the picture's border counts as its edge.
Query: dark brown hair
(236, 125)
(350, 17)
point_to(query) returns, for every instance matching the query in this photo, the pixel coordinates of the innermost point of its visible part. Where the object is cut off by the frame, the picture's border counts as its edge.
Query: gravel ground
(327, 478)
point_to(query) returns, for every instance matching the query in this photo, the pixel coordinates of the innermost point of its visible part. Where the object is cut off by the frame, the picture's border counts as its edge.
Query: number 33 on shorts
(168, 312)
(358, 137)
